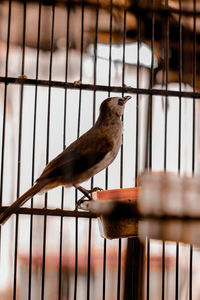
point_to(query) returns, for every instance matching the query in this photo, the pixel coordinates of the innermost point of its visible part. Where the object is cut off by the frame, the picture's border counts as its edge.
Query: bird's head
(114, 105)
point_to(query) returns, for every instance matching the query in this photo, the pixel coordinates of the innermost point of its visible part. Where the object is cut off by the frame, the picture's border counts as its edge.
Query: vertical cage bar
(64, 141)
(5, 103)
(177, 272)
(194, 86)
(190, 272)
(93, 121)
(165, 134)
(106, 171)
(123, 74)
(124, 46)
(76, 257)
(148, 268)
(180, 83)
(193, 137)
(166, 85)
(121, 156)
(95, 67)
(89, 258)
(179, 135)
(109, 68)
(78, 133)
(119, 269)
(104, 269)
(47, 151)
(110, 44)
(163, 270)
(19, 153)
(150, 120)
(33, 151)
(137, 102)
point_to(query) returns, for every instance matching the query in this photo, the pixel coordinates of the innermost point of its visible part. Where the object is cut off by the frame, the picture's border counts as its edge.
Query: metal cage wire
(134, 288)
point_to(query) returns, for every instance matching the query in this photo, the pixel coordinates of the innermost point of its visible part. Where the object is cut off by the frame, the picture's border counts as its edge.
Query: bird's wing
(80, 156)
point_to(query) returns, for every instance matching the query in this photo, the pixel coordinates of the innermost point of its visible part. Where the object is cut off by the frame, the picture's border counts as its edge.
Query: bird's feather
(80, 156)
(20, 201)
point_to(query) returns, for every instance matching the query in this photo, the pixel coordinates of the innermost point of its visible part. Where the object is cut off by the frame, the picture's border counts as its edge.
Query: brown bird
(89, 154)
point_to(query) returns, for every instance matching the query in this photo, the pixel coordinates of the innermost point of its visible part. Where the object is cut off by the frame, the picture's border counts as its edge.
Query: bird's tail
(5, 215)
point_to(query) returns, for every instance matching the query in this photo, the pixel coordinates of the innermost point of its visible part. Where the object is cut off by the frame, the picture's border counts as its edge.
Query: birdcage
(138, 238)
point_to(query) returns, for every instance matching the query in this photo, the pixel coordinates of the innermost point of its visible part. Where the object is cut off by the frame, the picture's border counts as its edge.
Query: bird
(92, 152)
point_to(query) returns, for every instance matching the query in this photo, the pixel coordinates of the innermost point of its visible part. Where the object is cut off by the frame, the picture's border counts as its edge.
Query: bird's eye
(120, 102)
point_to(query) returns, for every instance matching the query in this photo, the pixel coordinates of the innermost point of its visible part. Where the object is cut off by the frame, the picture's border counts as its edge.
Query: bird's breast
(117, 141)
(115, 136)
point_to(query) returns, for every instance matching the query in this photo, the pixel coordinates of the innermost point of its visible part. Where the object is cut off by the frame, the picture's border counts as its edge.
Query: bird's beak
(126, 98)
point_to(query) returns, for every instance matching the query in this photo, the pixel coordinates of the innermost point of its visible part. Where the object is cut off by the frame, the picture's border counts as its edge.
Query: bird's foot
(95, 189)
(87, 195)
(81, 201)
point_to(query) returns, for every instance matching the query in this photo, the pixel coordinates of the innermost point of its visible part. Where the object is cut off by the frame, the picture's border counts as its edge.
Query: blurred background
(52, 55)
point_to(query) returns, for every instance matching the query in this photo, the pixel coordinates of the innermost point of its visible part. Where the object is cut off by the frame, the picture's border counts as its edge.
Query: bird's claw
(95, 189)
(81, 201)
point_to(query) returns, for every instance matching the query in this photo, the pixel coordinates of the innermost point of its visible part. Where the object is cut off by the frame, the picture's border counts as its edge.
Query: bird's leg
(80, 201)
(84, 191)
(86, 194)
